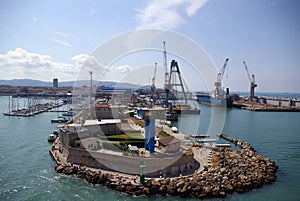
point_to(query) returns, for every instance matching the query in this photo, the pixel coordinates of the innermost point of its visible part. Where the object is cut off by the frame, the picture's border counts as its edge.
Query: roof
(89, 139)
(105, 105)
(168, 140)
(92, 122)
(133, 148)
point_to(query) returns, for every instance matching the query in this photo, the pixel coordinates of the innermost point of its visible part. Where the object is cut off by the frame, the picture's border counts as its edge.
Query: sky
(46, 39)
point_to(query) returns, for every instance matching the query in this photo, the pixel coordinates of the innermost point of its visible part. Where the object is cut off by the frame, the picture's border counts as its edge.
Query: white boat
(174, 129)
(68, 113)
(59, 120)
(52, 136)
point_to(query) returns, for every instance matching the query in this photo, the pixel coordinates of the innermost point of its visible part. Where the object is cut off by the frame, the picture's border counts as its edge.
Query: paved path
(56, 152)
(203, 156)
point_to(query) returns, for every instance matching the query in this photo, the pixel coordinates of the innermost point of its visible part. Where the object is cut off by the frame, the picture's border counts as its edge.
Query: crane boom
(221, 73)
(252, 82)
(153, 84)
(247, 71)
(154, 76)
(166, 84)
(165, 64)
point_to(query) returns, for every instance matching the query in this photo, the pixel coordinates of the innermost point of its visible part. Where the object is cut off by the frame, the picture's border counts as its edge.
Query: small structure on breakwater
(88, 144)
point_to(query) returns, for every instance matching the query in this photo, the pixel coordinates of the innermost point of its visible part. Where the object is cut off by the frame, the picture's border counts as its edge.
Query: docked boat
(52, 137)
(174, 129)
(59, 120)
(68, 113)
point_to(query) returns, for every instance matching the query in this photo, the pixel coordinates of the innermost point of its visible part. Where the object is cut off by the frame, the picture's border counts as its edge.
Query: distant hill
(25, 82)
(38, 83)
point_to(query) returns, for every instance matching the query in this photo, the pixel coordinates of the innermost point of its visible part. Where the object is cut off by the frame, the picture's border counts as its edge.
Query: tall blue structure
(149, 116)
(149, 134)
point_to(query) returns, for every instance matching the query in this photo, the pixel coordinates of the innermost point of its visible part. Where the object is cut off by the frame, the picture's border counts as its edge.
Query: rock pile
(238, 171)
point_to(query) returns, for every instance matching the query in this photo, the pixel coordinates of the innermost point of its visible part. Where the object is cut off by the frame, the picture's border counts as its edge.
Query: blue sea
(27, 170)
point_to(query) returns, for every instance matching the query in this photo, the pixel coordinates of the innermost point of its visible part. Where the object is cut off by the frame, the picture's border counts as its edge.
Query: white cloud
(194, 6)
(61, 42)
(61, 33)
(20, 57)
(20, 63)
(123, 69)
(168, 13)
(84, 60)
(58, 33)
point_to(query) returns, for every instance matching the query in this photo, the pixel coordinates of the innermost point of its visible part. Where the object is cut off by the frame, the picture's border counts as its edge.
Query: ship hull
(208, 100)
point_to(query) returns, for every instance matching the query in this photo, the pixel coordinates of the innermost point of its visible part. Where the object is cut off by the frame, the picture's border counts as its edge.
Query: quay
(199, 135)
(226, 172)
(268, 104)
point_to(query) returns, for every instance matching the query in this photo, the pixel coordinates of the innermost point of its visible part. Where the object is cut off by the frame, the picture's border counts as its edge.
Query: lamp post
(142, 166)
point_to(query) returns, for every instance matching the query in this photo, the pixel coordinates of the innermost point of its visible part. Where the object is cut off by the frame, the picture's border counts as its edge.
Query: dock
(226, 145)
(264, 107)
(199, 135)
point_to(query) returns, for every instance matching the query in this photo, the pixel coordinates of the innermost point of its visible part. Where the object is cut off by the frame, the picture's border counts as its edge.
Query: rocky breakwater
(230, 171)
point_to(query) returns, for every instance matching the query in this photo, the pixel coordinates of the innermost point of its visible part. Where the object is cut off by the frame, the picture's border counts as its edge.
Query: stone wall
(174, 165)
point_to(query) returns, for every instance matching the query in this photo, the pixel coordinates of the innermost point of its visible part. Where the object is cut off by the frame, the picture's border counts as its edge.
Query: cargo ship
(218, 97)
(208, 99)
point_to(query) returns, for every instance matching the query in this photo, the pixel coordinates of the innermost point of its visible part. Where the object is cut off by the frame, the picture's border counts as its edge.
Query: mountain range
(79, 83)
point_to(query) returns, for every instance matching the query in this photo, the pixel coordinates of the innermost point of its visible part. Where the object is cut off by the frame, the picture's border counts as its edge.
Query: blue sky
(46, 39)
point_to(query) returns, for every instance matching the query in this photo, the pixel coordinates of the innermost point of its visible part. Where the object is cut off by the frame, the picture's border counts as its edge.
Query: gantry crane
(252, 81)
(174, 69)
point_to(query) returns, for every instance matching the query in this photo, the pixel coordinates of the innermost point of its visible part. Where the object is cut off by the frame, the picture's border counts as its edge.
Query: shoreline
(231, 171)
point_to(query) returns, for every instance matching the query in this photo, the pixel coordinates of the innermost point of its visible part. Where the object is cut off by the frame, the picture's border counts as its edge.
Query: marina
(178, 100)
(26, 107)
(140, 142)
(272, 145)
(111, 141)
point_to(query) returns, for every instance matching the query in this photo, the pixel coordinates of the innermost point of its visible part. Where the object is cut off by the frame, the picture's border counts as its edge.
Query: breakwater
(230, 171)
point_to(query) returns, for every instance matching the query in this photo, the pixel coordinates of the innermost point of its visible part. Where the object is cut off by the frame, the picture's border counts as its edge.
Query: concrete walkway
(203, 156)
(56, 152)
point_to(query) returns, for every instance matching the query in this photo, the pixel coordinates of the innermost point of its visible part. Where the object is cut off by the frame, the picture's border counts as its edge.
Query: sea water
(27, 170)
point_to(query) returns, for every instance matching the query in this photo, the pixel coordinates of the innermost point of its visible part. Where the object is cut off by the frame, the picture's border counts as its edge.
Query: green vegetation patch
(124, 137)
(134, 139)
(163, 133)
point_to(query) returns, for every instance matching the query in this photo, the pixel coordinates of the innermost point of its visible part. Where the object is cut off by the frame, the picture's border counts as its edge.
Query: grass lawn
(124, 137)
(164, 134)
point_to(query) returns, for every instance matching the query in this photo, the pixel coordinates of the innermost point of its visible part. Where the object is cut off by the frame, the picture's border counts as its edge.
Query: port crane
(153, 88)
(252, 81)
(218, 84)
(166, 83)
